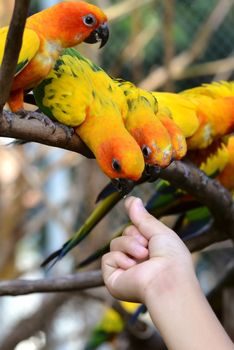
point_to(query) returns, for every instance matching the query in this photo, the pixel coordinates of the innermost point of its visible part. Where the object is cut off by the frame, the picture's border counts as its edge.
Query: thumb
(145, 222)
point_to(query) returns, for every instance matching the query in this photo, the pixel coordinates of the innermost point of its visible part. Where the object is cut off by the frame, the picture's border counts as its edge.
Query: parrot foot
(38, 116)
(9, 117)
(69, 131)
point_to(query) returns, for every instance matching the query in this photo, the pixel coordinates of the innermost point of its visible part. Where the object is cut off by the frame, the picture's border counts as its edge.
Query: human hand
(149, 256)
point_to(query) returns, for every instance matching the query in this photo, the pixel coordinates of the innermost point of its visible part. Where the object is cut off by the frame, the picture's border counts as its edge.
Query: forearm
(185, 319)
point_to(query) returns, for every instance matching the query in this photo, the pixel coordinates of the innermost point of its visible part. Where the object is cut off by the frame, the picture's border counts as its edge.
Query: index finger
(145, 222)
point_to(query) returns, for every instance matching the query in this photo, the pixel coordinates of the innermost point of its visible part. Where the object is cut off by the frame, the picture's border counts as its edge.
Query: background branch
(161, 75)
(90, 279)
(79, 281)
(12, 49)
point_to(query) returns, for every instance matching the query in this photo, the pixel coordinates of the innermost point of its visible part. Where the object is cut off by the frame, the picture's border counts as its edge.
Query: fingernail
(128, 200)
(139, 204)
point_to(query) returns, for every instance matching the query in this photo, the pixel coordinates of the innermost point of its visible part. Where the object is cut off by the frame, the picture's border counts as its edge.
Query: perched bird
(79, 95)
(159, 137)
(215, 111)
(204, 114)
(46, 33)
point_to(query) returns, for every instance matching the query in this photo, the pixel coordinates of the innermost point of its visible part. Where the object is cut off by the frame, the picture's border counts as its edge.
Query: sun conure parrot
(83, 88)
(158, 136)
(46, 33)
(204, 114)
(79, 95)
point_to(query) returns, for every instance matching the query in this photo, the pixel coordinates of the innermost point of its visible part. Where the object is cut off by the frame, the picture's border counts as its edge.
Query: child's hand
(150, 264)
(149, 256)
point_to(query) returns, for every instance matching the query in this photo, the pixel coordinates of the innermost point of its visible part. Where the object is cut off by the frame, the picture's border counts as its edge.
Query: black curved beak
(100, 34)
(151, 172)
(124, 186)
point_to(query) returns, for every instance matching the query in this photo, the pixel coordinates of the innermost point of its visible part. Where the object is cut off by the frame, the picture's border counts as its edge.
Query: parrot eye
(89, 20)
(116, 165)
(146, 151)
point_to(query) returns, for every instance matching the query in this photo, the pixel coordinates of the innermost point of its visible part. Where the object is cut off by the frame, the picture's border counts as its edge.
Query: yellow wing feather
(216, 162)
(182, 111)
(30, 46)
(213, 90)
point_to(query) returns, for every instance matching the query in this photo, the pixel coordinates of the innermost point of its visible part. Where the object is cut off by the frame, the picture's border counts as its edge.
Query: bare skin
(150, 264)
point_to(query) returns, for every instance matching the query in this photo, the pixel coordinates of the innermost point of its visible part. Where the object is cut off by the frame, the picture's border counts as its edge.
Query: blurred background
(46, 193)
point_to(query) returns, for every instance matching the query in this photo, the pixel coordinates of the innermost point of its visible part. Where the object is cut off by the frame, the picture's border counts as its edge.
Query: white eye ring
(89, 20)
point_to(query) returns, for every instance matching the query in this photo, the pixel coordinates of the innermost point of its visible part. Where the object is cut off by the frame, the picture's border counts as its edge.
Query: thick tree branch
(209, 192)
(11, 125)
(12, 49)
(210, 235)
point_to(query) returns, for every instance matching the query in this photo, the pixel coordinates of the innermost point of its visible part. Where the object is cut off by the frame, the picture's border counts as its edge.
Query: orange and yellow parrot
(79, 95)
(159, 138)
(204, 114)
(46, 33)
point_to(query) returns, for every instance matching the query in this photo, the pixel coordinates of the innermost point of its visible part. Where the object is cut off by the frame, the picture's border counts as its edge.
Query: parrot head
(120, 158)
(148, 131)
(72, 23)
(154, 143)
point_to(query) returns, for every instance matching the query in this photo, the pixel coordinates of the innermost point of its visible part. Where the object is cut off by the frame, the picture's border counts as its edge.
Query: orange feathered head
(120, 158)
(71, 23)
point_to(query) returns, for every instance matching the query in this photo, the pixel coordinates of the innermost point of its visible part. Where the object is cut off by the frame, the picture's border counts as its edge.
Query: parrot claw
(9, 117)
(69, 131)
(38, 116)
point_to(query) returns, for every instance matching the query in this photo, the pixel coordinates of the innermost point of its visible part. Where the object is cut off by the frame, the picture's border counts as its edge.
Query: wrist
(172, 279)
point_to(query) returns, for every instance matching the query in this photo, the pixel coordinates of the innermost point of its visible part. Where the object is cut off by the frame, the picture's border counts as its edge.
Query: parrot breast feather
(30, 46)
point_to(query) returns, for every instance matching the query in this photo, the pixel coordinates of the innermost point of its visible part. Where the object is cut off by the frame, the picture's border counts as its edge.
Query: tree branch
(79, 281)
(11, 125)
(209, 192)
(90, 279)
(12, 49)
(210, 235)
